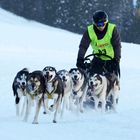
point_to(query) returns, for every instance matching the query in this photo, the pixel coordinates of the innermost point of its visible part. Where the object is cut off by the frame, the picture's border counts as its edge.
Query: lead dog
(102, 87)
(54, 90)
(79, 87)
(19, 86)
(35, 89)
(68, 86)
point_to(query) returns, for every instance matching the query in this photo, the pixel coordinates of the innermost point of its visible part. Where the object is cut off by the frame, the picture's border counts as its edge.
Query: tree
(76, 15)
(135, 32)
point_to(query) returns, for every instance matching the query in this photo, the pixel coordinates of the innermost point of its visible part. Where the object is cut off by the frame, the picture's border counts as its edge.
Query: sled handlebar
(97, 55)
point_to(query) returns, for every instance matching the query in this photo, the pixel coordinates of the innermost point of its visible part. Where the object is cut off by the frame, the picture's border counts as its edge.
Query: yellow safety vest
(103, 45)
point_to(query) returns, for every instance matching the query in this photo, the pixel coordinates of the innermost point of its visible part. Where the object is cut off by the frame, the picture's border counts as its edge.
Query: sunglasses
(101, 23)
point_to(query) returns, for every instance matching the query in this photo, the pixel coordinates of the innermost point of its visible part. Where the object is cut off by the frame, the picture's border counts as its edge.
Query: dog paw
(54, 121)
(114, 110)
(51, 108)
(82, 111)
(25, 119)
(34, 122)
(44, 112)
(47, 112)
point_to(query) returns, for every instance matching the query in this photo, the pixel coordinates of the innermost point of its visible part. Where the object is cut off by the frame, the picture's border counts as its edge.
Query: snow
(33, 45)
(135, 2)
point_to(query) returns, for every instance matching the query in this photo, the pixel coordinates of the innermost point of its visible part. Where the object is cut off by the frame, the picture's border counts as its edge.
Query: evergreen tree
(136, 25)
(127, 19)
(76, 15)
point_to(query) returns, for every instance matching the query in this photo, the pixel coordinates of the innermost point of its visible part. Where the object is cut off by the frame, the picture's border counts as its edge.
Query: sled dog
(67, 84)
(19, 86)
(79, 87)
(35, 89)
(54, 90)
(104, 88)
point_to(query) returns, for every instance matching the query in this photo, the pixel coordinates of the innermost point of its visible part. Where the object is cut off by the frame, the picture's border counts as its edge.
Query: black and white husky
(102, 87)
(35, 90)
(68, 86)
(54, 90)
(79, 87)
(19, 89)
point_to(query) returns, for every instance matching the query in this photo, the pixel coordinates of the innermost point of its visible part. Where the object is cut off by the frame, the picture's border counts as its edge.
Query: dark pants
(104, 66)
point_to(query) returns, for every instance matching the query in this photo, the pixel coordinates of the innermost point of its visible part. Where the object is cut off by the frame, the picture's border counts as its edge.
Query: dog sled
(90, 102)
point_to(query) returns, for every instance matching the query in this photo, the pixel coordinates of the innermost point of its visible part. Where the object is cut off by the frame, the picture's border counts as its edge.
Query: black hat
(100, 16)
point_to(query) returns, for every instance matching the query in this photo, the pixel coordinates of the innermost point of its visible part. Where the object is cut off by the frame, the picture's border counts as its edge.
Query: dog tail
(14, 89)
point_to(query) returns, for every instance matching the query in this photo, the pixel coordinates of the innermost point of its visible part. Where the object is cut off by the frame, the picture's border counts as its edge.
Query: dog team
(66, 89)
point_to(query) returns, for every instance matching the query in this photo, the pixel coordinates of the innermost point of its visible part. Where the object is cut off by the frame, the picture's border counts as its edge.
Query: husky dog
(79, 87)
(54, 90)
(35, 89)
(18, 86)
(67, 83)
(104, 88)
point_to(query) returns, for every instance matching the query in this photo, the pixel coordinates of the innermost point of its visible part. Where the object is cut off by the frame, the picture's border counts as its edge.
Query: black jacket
(85, 42)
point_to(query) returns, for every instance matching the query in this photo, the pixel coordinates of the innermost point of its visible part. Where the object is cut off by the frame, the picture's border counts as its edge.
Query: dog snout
(30, 88)
(91, 83)
(46, 75)
(64, 78)
(75, 76)
(33, 86)
(74, 93)
(23, 83)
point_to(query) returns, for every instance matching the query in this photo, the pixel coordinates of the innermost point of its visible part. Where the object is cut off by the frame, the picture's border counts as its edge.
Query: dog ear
(54, 69)
(43, 69)
(70, 71)
(25, 69)
(99, 77)
(83, 72)
(58, 72)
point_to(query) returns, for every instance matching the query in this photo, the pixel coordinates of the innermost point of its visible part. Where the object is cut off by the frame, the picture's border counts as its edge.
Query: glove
(116, 61)
(80, 64)
(116, 66)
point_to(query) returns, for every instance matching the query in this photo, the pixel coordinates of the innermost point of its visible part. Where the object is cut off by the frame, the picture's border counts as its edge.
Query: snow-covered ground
(29, 44)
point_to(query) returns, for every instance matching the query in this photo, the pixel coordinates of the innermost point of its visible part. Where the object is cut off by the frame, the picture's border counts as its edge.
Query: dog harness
(40, 95)
(50, 94)
(102, 46)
